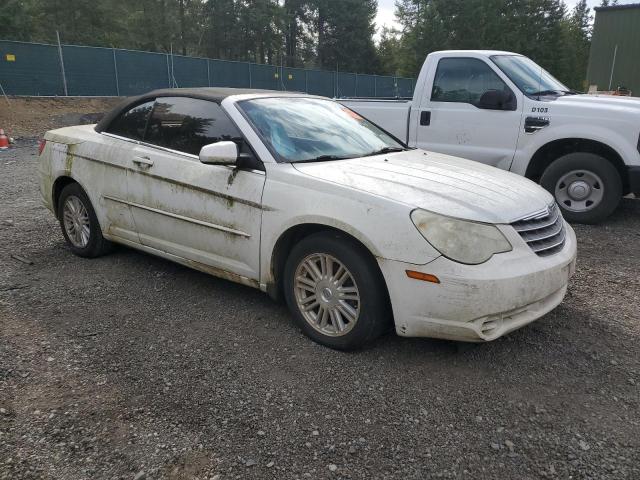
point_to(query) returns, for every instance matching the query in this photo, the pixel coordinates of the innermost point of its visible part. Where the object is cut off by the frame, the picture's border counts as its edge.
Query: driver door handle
(143, 162)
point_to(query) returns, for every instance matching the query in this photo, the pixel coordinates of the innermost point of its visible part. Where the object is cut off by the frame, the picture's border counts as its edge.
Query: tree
(259, 24)
(16, 20)
(424, 31)
(345, 34)
(295, 18)
(540, 29)
(578, 43)
(388, 51)
(80, 22)
(329, 34)
(221, 28)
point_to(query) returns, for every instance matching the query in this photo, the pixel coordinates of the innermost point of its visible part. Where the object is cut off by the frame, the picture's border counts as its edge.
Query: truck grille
(543, 232)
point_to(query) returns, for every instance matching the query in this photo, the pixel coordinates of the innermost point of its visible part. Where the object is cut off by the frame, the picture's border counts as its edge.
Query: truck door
(470, 112)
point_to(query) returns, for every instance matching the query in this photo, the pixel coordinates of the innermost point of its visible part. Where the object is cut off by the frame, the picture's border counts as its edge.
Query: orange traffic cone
(4, 140)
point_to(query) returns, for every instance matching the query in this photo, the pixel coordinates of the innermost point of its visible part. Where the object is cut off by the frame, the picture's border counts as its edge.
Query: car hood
(598, 103)
(439, 183)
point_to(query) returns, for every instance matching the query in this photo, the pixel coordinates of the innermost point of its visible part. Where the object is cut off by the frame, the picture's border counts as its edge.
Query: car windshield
(300, 129)
(529, 77)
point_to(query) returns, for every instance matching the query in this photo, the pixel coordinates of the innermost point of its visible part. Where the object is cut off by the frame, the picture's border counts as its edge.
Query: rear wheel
(336, 292)
(79, 223)
(586, 186)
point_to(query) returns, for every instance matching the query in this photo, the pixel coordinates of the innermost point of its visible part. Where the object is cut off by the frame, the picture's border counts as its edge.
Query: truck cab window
(465, 80)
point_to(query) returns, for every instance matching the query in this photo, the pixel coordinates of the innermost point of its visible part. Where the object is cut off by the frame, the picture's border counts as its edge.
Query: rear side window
(132, 123)
(187, 124)
(464, 80)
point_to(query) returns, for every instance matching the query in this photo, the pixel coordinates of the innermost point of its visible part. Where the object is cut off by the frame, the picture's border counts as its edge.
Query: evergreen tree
(345, 34)
(16, 20)
(329, 34)
(389, 51)
(221, 28)
(296, 18)
(578, 42)
(539, 29)
(259, 27)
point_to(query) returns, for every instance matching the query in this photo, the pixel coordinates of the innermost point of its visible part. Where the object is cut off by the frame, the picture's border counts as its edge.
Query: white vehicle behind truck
(502, 109)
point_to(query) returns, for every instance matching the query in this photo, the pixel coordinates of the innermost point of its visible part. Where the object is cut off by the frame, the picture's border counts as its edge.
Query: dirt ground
(30, 117)
(130, 366)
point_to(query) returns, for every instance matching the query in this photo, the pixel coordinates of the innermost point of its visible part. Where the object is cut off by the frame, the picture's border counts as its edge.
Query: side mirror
(496, 100)
(219, 153)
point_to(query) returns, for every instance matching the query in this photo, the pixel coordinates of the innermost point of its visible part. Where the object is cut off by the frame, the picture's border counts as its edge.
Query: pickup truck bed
(392, 115)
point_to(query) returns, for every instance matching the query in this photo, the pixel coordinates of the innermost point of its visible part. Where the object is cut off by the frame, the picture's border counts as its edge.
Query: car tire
(586, 186)
(346, 263)
(75, 210)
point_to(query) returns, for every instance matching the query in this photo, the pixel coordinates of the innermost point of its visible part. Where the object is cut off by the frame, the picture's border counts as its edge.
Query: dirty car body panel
(230, 220)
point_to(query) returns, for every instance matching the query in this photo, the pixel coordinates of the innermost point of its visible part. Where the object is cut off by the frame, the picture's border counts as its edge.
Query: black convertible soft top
(205, 93)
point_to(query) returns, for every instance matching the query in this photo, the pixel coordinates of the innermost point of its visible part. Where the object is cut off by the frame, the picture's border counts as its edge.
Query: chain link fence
(36, 69)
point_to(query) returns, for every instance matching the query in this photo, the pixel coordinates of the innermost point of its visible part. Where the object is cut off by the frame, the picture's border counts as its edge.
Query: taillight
(43, 143)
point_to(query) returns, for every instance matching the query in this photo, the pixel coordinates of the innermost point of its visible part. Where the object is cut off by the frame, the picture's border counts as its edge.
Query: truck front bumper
(478, 303)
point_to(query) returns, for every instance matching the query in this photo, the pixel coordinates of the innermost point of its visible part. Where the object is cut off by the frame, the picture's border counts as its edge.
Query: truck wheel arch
(549, 152)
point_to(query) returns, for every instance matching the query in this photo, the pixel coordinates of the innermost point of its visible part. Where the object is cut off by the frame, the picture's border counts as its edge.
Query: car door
(112, 153)
(455, 118)
(208, 214)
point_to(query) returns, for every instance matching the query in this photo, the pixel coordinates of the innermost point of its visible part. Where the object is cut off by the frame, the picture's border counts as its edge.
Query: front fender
(383, 226)
(332, 223)
(531, 143)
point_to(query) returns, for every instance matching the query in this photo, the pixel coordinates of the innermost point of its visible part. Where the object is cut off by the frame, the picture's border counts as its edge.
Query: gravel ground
(129, 366)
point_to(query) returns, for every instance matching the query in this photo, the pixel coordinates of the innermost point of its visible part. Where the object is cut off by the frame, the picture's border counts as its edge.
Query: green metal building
(614, 60)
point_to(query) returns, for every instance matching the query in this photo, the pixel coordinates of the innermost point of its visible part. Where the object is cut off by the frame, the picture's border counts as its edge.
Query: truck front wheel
(587, 186)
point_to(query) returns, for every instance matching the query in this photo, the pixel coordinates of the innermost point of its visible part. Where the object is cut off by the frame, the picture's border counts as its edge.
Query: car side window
(187, 124)
(465, 80)
(132, 123)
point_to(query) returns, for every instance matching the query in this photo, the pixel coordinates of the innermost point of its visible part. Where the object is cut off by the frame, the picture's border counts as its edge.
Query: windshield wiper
(553, 92)
(323, 158)
(384, 150)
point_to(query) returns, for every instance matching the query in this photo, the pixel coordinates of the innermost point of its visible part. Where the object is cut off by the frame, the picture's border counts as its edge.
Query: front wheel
(586, 186)
(336, 292)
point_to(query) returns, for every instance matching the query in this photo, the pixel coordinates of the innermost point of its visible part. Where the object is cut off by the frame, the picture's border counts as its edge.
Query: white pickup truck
(502, 109)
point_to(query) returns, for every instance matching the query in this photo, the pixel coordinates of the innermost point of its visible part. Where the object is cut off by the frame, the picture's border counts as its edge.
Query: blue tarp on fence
(40, 69)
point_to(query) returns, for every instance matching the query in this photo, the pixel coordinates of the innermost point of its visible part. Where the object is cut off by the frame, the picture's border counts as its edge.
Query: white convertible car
(303, 198)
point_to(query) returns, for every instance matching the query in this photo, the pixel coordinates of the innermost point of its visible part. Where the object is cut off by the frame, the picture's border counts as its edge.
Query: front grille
(543, 232)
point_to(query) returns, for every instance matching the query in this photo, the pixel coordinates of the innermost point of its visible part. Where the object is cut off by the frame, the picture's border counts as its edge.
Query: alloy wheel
(76, 221)
(326, 294)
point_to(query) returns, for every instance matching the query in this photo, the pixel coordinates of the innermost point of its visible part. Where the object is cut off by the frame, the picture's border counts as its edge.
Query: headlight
(460, 240)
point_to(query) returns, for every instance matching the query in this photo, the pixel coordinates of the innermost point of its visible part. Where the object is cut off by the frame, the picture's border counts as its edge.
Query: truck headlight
(460, 240)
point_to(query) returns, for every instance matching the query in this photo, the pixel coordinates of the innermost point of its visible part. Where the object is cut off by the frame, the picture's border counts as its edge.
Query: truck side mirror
(497, 100)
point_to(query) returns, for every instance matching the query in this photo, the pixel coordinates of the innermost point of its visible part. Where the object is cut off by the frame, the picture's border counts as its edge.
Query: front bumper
(478, 303)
